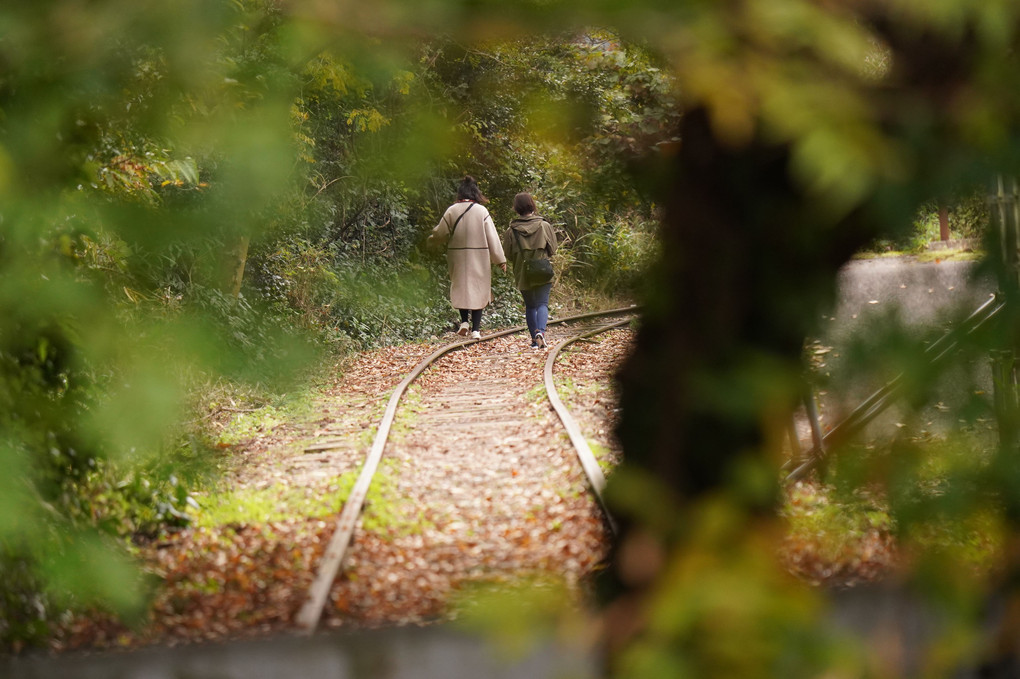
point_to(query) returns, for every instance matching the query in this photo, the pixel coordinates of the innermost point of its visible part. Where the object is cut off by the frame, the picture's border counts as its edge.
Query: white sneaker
(463, 329)
(476, 335)
(540, 340)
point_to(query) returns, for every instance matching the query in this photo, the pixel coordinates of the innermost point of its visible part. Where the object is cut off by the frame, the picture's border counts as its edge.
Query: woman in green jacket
(531, 237)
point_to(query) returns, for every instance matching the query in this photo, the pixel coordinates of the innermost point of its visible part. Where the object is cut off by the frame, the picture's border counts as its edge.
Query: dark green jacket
(529, 237)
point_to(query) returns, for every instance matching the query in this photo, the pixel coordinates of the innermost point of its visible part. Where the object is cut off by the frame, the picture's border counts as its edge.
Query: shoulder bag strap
(454, 229)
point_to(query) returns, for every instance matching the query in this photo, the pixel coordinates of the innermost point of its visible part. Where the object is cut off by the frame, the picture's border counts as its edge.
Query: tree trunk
(237, 258)
(747, 267)
(746, 270)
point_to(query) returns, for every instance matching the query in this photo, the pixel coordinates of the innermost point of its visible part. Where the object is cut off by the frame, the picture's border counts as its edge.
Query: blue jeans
(536, 308)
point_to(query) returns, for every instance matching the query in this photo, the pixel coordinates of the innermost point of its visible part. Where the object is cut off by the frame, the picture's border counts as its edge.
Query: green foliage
(366, 305)
(139, 148)
(345, 258)
(969, 219)
(387, 512)
(375, 306)
(711, 595)
(124, 175)
(835, 525)
(615, 256)
(518, 617)
(275, 503)
(560, 117)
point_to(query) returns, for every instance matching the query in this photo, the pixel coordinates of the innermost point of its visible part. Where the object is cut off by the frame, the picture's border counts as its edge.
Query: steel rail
(881, 399)
(307, 618)
(596, 479)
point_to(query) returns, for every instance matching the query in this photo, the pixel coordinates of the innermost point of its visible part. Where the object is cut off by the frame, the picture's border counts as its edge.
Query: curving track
(473, 410)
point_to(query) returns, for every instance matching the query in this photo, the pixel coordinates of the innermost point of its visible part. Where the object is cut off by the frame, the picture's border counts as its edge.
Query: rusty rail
(596, 478)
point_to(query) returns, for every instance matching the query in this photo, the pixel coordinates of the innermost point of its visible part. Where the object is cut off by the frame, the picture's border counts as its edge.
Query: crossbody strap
(454, 229)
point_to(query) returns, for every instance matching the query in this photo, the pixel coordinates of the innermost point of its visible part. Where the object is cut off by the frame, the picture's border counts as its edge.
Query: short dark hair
(524, 203)
(468, 190)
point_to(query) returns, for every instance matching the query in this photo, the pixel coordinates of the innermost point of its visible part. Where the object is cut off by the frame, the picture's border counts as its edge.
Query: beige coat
(472, 251)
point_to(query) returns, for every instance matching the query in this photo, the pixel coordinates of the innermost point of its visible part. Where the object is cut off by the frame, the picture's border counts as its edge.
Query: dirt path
(478, 484)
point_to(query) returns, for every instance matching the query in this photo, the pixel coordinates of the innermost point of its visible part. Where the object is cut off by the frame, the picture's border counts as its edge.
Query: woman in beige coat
(472, 247)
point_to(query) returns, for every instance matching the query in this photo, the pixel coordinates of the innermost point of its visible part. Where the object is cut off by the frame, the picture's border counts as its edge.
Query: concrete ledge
(401, 653)
(960, 244)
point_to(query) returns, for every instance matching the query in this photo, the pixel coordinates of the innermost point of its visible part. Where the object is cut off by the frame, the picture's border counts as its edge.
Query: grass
(601, 454)
(945, 255)
(386, 512)
(271, 504)
(246, 426)
(287, 408)
(924, 256)
(569, 298)
(927, 494)
(407, 414)
(569, 390)
(833, 525)
(255, 414)
(536, 394)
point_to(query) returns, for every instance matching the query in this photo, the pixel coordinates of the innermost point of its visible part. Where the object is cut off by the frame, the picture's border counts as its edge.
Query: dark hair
(524, 203)
(468, 190)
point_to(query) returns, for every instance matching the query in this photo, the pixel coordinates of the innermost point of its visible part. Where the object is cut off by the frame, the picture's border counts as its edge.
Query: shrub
(613, 256)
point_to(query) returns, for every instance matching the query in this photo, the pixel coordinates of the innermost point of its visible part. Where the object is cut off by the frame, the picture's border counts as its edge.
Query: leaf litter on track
(478, 484)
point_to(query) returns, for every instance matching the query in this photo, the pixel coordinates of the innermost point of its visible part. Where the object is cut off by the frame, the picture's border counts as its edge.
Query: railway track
(485, 423)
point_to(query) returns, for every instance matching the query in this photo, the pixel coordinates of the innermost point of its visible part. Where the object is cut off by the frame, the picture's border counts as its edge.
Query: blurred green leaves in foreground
(158, 159)
(139, 143)
(205, 195)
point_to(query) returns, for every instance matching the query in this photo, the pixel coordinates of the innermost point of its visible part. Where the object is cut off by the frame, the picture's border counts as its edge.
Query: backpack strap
(517, 239)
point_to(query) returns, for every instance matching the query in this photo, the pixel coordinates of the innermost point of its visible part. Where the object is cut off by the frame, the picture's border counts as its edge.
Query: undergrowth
(928, 508)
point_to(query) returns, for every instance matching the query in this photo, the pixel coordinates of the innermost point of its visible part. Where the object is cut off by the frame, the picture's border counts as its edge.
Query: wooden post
(943, 223)
(1004, 361)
